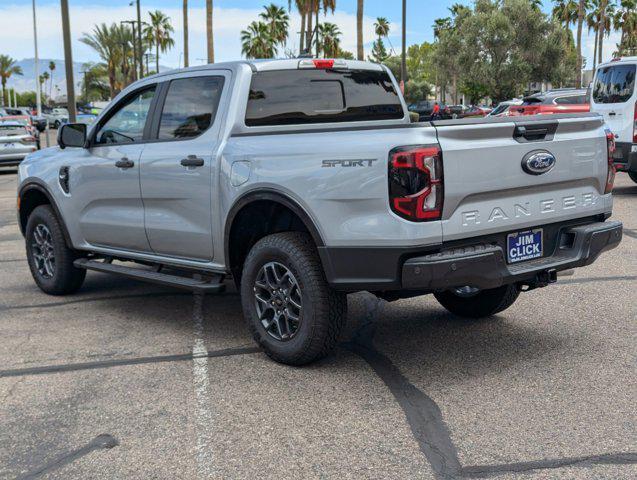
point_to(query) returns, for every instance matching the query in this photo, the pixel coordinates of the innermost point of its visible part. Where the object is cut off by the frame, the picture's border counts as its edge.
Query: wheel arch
(33, 194)
(254, 202)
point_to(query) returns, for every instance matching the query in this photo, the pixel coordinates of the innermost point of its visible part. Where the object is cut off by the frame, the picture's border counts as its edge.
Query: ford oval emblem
(538, 162)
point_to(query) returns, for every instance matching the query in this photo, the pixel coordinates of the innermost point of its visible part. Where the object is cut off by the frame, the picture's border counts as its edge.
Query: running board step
(203, 286)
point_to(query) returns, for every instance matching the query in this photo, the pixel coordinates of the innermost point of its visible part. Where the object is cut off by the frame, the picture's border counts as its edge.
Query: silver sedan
(16, 142)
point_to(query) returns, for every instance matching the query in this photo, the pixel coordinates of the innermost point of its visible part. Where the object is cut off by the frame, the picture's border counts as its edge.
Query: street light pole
(68, 61)
(403, 60)
(38, 94)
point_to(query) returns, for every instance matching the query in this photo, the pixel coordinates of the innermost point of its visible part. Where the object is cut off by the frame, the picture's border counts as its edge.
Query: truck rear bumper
(484, 266)
(479, 262)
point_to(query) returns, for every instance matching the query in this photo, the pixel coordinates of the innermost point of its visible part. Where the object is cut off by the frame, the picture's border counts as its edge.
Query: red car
(553, 101)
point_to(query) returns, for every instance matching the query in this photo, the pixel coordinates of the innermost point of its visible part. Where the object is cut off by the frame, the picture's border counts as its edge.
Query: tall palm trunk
(186, 63)
(209, 33)
(302, 40)
(310, 27)
(360, 52)
(580, 24)
(602, 25)
(157, 56)
(595, 50)
(4, 91)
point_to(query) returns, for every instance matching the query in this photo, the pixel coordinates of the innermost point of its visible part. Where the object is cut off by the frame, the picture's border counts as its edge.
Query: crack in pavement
(427, 424)
(101, 442)
(73, 367)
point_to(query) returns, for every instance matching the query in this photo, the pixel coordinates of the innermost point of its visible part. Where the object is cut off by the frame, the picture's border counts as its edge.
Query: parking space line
(104, 441)
(201, 380)
(72, 367)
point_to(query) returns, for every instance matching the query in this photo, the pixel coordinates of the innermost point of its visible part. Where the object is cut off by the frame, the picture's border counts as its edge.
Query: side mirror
(72, 135)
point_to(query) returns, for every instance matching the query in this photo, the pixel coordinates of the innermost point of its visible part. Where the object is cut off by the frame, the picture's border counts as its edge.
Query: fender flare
(269, 195)
(40, 186)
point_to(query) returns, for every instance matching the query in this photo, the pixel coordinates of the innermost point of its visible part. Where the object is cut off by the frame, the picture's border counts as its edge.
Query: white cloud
(16, 34)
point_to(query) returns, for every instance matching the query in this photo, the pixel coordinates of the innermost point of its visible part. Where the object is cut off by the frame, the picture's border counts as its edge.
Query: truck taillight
(610, 175)
(416, 182)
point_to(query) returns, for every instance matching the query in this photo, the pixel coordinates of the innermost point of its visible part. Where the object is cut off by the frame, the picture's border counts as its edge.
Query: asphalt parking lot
(125, 380)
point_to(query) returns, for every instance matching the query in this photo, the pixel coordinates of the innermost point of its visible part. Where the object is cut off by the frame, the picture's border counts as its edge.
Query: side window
(190, 107)
(126, 125)
(565, 100)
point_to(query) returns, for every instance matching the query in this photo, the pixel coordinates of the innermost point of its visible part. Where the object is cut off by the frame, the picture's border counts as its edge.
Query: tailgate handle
(532, 133)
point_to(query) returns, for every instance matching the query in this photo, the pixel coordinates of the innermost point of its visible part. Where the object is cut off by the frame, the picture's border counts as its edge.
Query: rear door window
(190, 107)
(614, 84)
(293, 97)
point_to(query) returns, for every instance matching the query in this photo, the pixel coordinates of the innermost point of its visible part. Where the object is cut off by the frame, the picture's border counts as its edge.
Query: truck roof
(262, 65)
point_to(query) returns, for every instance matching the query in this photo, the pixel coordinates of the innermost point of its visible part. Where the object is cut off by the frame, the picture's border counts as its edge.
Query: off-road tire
(633, 176)
(324, 309)
(483, 304)
(65, 278)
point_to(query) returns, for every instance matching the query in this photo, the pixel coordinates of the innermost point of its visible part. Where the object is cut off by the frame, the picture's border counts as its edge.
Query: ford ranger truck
(303, 180)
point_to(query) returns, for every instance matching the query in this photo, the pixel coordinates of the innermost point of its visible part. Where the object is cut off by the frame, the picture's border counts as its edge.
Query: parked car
(38, 122)
(615, 97)
(27, 122)
(57, 116)
(85, 118)
(474, 111)
(304, 180)
(456, 111)
(554, 101)
(425, 108)
(16, 142)
(503, 108)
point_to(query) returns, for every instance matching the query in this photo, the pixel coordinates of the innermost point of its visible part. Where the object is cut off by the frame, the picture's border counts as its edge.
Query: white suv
(614, 96)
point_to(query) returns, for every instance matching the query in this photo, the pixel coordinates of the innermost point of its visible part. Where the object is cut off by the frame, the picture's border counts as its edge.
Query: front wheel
(633, 176)
(471, 303)
(50, 260)
(290, 309)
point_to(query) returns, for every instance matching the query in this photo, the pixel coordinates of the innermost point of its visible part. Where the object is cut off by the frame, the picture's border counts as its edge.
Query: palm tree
(606, 13)
(582, 7)
(209, 32)
(185, 14)
(114, 45)
(43, 79)
(440, 25)
(51, 68)
(158, 33)
(8, 68)
(381, 27)
(360, 51)
(379, 52)
(330, 39)
(626, 21)
(565, 11)
(256, 41)
(303, 6)
(277, 21)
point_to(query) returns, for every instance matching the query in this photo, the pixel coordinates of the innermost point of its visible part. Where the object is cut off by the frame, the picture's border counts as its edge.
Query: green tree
(51, 69)
(44, 77)
(94, 82)
(330, 39)
(256, 41)
(8, 68)
(626, 21)
(565, 11)
(158, 33)
(114, 45)
(277, 21)
(381, 29)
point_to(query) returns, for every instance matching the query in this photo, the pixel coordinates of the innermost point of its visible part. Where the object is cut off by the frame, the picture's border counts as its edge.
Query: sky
(230, 17)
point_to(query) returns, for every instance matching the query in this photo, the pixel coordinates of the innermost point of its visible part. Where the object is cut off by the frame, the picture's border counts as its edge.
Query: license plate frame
(525, 245)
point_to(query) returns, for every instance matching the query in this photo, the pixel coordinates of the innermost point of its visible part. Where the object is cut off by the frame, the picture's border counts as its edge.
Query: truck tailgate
(487, 190)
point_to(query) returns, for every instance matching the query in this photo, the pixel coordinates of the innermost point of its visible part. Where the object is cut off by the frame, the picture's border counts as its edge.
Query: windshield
(614, 84)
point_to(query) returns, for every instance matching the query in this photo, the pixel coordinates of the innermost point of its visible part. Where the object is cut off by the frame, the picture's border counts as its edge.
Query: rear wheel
(290, 309)
(633, 176)
(50, 260)
(471, 303)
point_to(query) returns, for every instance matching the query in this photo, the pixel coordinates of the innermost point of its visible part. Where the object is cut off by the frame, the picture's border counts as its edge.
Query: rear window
(293, 97)
(572, 100)
(614, 84)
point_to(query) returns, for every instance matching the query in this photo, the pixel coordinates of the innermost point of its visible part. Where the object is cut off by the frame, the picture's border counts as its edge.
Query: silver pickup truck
(303, 180)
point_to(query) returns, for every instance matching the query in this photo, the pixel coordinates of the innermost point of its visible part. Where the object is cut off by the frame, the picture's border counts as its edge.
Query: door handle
(124, 163)
(612, 114)
(192, 161)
